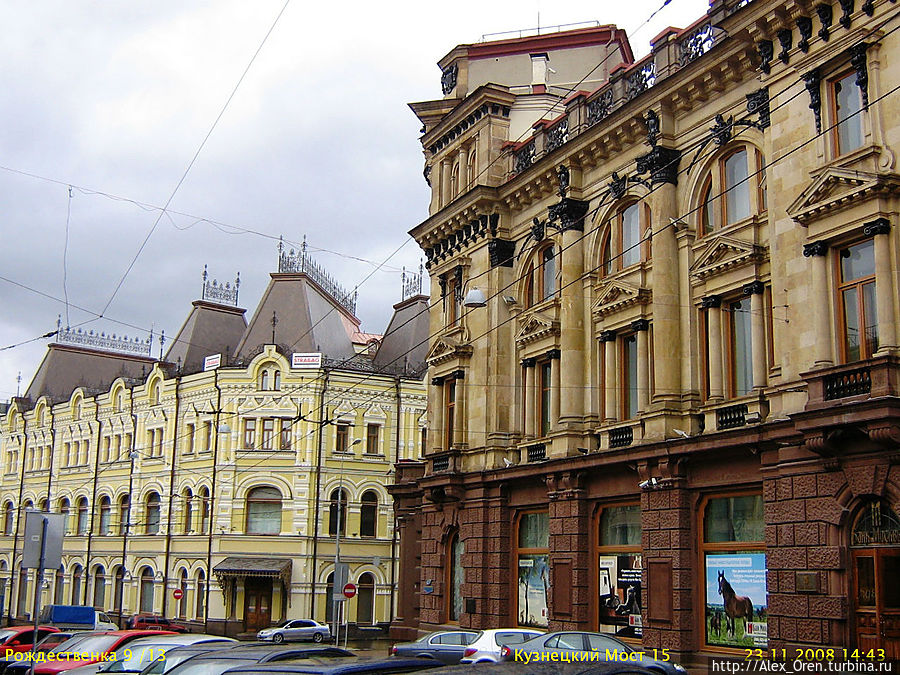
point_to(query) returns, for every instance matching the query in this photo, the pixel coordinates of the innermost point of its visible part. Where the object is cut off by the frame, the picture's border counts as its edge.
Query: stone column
(818, 251)
(528, 399)
(609, 379)
(757, 332)
(461, 410)
(571, 315)
(880, 229)
(713, 306)
(569, 516)
(555, 386)
(642, 328)
(436, 406)
(446, 191)
(461, 157)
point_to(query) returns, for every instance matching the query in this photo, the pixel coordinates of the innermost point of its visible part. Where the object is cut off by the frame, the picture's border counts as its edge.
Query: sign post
(42, 549)
(349, 590)
(178, 594)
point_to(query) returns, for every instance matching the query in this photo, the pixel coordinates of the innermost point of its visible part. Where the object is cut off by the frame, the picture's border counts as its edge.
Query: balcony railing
(874, 378)
(621, 437)
(732, 416)
(537, 452)
(849, 383)
(440, 463)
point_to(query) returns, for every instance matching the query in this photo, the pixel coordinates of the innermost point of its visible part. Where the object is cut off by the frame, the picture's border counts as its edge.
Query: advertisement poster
(736, 600)
(534, 583)
(619, 589)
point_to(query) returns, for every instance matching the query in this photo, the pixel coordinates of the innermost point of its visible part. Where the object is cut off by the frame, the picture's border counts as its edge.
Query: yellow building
(214, 473)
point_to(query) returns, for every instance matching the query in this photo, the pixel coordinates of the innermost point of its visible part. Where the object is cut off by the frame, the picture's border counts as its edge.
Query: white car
(296, 629)
(486, 647)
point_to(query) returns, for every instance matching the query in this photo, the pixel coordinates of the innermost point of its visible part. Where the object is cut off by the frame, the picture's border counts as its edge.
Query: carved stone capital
(570, 213)
(877, 226)
(554, 354)
(501, 252)
(529, 363)
(815, 249)
(754, 288)
(607, 336)
(711, 301)
(640, 325)
(661, 163)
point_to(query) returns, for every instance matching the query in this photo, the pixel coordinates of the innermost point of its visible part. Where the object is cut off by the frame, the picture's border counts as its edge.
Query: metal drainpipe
(212, 503)
(394, 529)
(12, 559)
(315, 555)
(165, 595)
(126, 526)
(93, 503)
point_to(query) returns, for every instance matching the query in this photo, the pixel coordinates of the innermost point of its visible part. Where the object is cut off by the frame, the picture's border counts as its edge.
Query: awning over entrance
(264, 568)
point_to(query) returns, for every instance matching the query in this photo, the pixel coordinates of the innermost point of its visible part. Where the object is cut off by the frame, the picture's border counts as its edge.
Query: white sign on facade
(307, 360)
(212, 362)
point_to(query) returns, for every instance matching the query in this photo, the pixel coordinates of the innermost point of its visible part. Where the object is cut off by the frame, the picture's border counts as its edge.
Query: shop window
(856, 298)
(456, 577)
(734, 569)
(264, 511)
(619, 585)
(368, 514)
(118, 585)
(201, 595)
(337, 511)
(846, 110)
(151, 513)
(533, 572)
(733, 190)
(183, 603)
(77, 577)
(365, 603)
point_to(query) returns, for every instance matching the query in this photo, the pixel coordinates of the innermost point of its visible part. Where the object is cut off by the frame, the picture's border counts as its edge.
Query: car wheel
(278, 638)
(318, 637)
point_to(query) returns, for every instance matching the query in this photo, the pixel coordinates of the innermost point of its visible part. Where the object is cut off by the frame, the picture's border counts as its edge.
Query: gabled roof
(405, 342)
(66, 367)
(209, 329)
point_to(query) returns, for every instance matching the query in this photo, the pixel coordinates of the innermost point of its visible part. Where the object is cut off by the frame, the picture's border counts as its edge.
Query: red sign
(178, 594)
(349, 590)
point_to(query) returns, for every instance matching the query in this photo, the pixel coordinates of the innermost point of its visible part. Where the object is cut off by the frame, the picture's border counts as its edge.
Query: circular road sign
(349, 590)
(178, 594)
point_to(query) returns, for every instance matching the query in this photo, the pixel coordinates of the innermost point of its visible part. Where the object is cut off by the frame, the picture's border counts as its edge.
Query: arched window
(629, 222)
(105, 515)
(154, 393)
(203, 496)
(276, 380)
(117, 588)
(454, 181)
(337, 510)
(8, 518)
(22, 601)
(82, 525)
(606, 267)
(151, 514)
(540, 279)
(201, 594)
(264, 379)
(625, 241)
(264, 511)
(188, 518)
(733, 190)
(368, 514)
(64, 511)
(77, 574)
(146, 591)
(329, 594)
(471, 167)
(76, 409)
(59, 586)
(99, 587)
(456, 578)
(365, 603)
(118, 400)
(183, 603)
(124, 514)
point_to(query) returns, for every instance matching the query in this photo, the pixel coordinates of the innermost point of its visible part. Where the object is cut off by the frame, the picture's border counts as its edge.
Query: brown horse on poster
(736, 606)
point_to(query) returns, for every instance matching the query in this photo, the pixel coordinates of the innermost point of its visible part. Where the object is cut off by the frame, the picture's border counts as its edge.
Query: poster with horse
(736, 600)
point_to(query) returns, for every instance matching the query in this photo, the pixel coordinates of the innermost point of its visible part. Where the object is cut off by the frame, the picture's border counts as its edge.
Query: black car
(221, 660)
(359, 665)
(447, 646)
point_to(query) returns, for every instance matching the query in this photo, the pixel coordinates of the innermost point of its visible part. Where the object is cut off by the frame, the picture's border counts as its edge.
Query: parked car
(296, 629)
(447, 646)
(544, 668)
(166, 662)
(96, 643)
(358, 665)
(43, 646)
(486, 647)
(21, 638)
(154, 622)
(607, 647)
(135, 656)
(76, 617)
(217, 662)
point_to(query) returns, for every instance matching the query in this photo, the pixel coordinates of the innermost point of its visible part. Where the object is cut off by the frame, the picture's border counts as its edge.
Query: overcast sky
(116, 98)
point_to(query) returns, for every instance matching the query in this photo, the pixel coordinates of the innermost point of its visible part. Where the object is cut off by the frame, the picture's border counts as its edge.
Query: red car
(19, 638)
(155, 622)
(69, 654)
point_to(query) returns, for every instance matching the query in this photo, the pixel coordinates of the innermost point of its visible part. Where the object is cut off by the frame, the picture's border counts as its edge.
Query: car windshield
(4, 634)
(209, 666)
(72, 642)
(512, 638)
(92, 644)
(134, 658)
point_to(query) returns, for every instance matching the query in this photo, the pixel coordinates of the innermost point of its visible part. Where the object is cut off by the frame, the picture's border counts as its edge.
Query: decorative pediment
(447, 348)
(375, 412)
(725, 253)
(344, 411)
(534, 327)
(616, 295)
(837, 189)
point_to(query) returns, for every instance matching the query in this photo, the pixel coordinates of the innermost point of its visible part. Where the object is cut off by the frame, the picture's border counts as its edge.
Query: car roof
(182, 639)
(263, 649)
(339, 666)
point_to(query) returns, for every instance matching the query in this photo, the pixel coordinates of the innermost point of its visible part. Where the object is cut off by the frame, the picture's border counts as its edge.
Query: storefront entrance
(257, 604)
(876, 580)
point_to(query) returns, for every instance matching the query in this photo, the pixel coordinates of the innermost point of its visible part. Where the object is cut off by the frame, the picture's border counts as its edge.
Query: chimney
(539, 73)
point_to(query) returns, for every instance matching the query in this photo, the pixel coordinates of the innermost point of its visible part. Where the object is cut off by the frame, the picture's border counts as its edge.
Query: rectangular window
(249, 434)
(630, 235)
(846, 102)
(286, 426)
(342, 438)
(629, 377)
(449, 410)
(533, 572)
(268, 433)
(452, 292)
(856, 292)
(619, 571)
(737, 187)
(740, 349)
(189, 439)
(544, 402)
(372, 434)
(207, 436)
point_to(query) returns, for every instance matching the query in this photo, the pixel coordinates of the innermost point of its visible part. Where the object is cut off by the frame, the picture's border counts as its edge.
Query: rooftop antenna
(18, 383)
(274, 323)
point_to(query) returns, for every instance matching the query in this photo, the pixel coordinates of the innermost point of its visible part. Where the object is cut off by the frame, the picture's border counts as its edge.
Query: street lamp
(337, 548)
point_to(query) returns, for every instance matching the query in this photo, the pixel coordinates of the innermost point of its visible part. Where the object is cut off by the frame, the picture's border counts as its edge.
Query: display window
(619, 569)
(532, 561)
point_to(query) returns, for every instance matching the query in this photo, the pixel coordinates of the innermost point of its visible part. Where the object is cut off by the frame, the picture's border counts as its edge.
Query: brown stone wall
(485, 527)
(569, 561)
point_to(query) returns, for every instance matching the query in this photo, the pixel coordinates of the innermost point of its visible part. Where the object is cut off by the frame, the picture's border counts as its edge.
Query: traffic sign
(349, 590)
(178, 594)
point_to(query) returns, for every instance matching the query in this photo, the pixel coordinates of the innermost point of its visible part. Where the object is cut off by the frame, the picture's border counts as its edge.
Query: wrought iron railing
(302, 262)
(696, 43)
(732, 416)
(440, 463)
(524, 157)
(112, 342)
(537, 452)
(621, 437)
(412, 282)
(224, 293)
(558, 134)
(848, 383)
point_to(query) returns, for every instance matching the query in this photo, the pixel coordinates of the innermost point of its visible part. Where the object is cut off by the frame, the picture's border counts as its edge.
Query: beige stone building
(663, 376)
(225, 470)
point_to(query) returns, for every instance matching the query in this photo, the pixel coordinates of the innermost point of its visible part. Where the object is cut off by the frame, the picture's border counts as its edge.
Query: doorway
(876, 569)
(257, 604)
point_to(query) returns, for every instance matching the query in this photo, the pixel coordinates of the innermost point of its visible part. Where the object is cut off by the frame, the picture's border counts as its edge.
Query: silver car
(486, 647)
(296, 629)
(138, 654)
